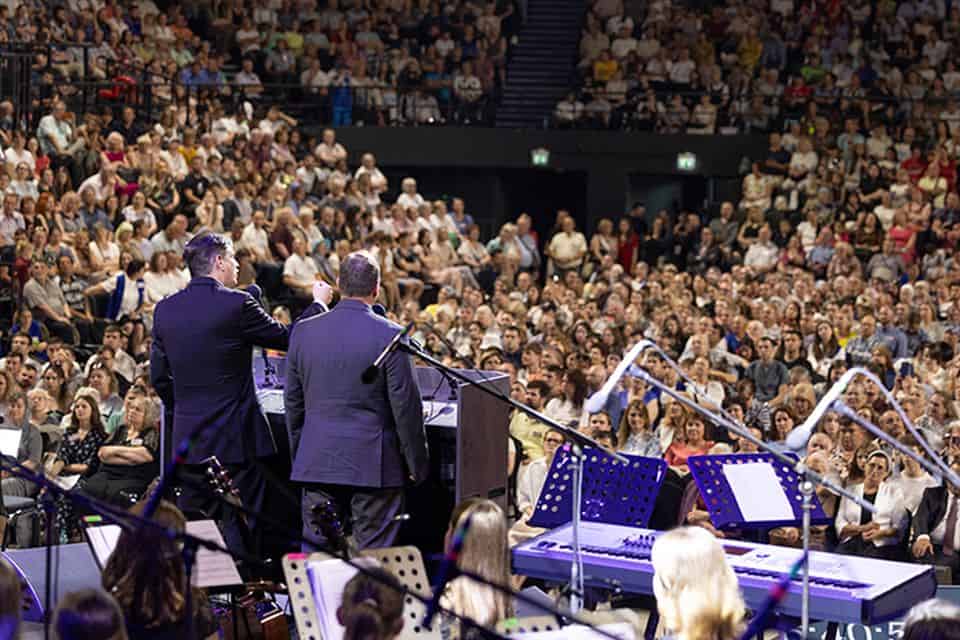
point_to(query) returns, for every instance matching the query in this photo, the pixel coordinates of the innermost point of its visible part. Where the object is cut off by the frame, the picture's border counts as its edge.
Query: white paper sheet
(758, 492)
(327, 580)
(212, 569)
(10, 442)
(102, 540)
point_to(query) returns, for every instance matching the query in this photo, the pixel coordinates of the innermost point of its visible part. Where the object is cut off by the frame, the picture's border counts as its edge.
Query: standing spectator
(568, 248)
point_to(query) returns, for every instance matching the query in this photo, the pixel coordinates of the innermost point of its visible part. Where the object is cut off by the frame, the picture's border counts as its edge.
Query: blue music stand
(722, 505)
(613, 492)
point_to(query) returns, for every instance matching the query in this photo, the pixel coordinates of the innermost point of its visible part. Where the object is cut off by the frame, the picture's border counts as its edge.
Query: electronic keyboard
(846, 589)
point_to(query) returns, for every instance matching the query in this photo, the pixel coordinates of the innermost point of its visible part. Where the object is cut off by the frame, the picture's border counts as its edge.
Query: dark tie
(949, 532)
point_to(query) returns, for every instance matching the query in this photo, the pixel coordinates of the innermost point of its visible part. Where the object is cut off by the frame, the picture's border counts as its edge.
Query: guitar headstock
(219, 479)
(328, 523)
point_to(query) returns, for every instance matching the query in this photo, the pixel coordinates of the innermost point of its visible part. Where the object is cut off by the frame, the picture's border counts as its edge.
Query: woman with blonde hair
(484, 553)
(705, 604)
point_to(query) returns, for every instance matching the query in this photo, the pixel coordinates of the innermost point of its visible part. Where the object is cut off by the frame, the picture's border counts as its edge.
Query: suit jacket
(932, 509)
(200, 364)
(341, 430)
(315, 309)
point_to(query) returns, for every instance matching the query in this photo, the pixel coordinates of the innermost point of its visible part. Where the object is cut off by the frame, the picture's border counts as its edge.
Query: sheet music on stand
(751, 490)
(328, 578)
(213, 569)
(9, 442)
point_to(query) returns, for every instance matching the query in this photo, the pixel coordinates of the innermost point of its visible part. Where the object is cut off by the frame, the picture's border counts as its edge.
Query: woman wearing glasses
(128, 460)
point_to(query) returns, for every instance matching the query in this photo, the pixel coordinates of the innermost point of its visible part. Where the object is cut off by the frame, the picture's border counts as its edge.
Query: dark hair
(541, 386)
(579, 382)
(89, 614)
(200, 253)
(372, 606)
(113, 328)
(145, 572)
(96, 421)
(623, 430)
(359, 275)
(932, 620)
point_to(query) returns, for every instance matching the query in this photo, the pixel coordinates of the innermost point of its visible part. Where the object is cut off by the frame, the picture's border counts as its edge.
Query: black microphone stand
(579, 442)
(297, 536)
(126, 521)
(131, 522)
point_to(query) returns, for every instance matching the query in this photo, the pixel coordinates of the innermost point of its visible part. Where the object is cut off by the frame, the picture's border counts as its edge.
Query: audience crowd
(351, 61)
(839, 253)
(732, 67)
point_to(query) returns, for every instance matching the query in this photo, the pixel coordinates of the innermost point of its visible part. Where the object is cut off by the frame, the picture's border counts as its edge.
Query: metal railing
(630, 110)
(132, 84)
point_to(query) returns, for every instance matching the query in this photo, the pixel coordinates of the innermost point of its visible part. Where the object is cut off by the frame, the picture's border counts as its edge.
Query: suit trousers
(373, 513)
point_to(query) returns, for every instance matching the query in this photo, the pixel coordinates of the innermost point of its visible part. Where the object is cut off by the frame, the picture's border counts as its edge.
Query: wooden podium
(475, 424)
(467, 431)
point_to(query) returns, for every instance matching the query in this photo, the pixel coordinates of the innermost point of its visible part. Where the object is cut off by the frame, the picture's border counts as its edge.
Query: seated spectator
(29, 452)
(934, 530)
(635, 435)
(692, 442)
(533, 475)
(879, 534)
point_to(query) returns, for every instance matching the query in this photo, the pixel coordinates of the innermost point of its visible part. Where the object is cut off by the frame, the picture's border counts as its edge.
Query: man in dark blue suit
(200, 364)
(355, 445)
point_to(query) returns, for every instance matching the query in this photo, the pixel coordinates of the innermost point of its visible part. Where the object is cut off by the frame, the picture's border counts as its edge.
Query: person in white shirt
(409, 198)
(138, 210)
(533, 475)
(329, 152)
(568, 248)
(913, 480)
(624, 44)
(884, 529)
(682, 68)
(162, 279)
(763, 254)
(18, 153)
(248, 79)
(255, 239)
(368, 166)
(315, 79)
(300, 271)
(569, 110)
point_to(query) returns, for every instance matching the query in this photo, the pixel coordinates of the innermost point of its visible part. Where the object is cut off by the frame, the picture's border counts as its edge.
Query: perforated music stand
(722, 505)
(613, 492)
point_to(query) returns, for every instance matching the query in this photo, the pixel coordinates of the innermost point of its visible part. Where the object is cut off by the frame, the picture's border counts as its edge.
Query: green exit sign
(686, 162)
(540, 157)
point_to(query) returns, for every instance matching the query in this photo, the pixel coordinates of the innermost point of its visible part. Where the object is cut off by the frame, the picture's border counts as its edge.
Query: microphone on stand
(797, 439)
(447, 570)
(370, 373)
(269, 371)
(598, 400)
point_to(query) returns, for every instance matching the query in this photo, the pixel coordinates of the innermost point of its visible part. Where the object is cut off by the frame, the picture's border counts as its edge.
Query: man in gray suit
(353, 444)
